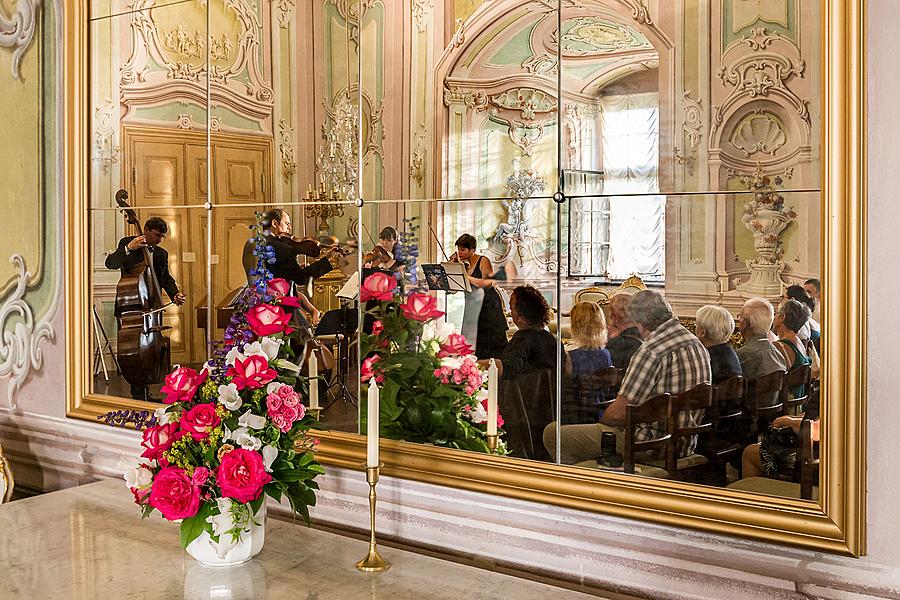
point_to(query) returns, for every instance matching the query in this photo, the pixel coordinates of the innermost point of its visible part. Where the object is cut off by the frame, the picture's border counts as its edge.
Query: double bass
(143, 351)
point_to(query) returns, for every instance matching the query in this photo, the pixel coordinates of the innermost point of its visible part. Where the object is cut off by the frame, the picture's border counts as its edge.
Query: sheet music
(350, 291)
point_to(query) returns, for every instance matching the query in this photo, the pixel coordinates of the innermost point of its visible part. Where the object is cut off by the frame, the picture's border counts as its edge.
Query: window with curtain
(619, 235)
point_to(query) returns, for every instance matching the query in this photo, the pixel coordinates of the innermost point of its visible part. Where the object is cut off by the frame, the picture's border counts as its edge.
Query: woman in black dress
(491, 338)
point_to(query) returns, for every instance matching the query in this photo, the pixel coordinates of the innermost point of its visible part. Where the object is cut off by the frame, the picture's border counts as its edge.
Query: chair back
(586, 395)
(762, 400)
(654, 410)
(796, 379)
(809, 461)
(686, 419)
(527, 404)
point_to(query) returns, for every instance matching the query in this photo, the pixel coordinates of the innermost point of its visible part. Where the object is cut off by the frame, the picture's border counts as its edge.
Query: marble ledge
(90, 542)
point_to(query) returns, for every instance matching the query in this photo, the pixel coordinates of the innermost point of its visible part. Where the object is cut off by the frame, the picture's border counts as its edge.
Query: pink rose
(174, 494)
(455, 345)
(367, 370)
(377, 327)
(140, 496)
(199, 421)
(251, 373)
(500, 420)
(182, 384)
(280, 290)
(241, 475)
(158, 439)
(421, 307)
(284, 407)
(267, 319)
(377, 286)
(201, 474)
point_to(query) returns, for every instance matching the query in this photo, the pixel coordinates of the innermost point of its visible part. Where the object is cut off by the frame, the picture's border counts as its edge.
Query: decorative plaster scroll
(540, 64)
(459, 37)
(417, 159)
(691, 126)
(760, 131)
(640, 12)
(524, 137)
(760, 40)
(525, 100)
(17, 31)
(421, 10)
(286, 149)
(20, 347)
(352, 11)
(105, 152)
(285, 13)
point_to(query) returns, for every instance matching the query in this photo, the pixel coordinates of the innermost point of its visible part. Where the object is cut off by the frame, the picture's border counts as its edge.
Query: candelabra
(323, 212)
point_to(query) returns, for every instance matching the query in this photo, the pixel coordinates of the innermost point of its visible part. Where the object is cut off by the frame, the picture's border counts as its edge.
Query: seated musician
(384, 254)
(128, 255)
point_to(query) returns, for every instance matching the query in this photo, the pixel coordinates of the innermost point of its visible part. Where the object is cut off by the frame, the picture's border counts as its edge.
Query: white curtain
(630, 139)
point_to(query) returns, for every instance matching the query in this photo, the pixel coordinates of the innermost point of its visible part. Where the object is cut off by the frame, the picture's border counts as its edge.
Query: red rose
(158, 439)
(182, 384)
(500, 420)
(280, 290)
(241, 475)
(252, 372)
(377, 286)
(367, 370)
(267, 319)
(174, 494)
(421, 307)
(199, 421)
(201, 474)
(455, 345)
(377, 327)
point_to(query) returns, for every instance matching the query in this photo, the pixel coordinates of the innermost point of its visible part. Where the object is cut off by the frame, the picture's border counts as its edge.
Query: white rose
(271, 347)
(165, 417)
(256, 349)
(269, 454)
(273, 387)
(230, 397)
(478, 414)
(139, 478)
(248, 419)
(233, 355)
(437, 330)
(452, 362)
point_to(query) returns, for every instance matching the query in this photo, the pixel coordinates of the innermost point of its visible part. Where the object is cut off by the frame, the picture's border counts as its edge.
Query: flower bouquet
(233, 432)
(432, 389)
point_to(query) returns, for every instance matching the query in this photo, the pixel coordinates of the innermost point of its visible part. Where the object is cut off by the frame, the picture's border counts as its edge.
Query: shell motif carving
(759, 132)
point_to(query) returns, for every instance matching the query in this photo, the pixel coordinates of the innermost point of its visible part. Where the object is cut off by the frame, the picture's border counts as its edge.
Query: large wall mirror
(658, 204)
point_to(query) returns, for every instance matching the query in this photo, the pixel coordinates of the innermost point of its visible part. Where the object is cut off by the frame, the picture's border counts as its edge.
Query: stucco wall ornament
(692, 128)
(419, 151)
(106, 154)
(514, 238)
(421, 11)
(285, 13)
(21, 350)
(17, 31)
(286, 149)
(759, 132)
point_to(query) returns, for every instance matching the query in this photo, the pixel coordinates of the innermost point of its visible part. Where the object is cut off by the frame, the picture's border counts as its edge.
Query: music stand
(339, 322)
(447, 277)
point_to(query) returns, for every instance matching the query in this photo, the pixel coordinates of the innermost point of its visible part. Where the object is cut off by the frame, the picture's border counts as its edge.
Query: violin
(377, 256)
(314, 248)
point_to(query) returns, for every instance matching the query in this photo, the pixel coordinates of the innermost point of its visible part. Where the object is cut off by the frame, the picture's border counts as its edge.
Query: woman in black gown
(491, 338)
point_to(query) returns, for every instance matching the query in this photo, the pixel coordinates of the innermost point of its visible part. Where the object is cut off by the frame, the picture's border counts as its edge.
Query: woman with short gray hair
(714, 327)
(790, 318)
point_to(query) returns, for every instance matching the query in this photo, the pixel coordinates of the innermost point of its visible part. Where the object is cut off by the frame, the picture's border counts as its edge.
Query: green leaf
(255, 504)
(191, 528)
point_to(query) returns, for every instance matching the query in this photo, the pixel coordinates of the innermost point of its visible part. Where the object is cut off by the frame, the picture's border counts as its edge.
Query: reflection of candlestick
(372, 429)
(313, 381)
(492, 399)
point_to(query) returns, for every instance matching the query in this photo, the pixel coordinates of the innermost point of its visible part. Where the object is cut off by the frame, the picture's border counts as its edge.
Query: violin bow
(434, 235)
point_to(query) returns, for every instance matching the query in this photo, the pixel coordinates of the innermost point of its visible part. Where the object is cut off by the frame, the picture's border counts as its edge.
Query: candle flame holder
(492, 443)
(373, 562)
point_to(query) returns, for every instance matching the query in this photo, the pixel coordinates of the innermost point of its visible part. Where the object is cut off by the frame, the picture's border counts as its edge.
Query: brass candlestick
(492, 442)
(372, 562)
(315, 412)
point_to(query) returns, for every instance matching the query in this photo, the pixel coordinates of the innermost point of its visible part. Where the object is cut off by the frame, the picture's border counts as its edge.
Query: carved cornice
(17, 31)
(21, 351)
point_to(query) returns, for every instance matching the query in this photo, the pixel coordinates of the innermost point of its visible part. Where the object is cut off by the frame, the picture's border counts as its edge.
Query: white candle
(313, 381)
(372, 430)
(492, 399)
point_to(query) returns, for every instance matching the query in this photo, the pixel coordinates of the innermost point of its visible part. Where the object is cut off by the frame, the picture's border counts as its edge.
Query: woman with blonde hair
(589, 337)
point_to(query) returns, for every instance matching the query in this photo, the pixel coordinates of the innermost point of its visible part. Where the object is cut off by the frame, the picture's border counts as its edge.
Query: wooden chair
(527, 404)
(580, 394)
(799, 377)
(762, 402)
(726, 415)
(809, 461)
(654, 410)
(698, 398)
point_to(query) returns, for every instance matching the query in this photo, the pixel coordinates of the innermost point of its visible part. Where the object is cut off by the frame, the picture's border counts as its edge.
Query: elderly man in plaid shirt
(671, 359)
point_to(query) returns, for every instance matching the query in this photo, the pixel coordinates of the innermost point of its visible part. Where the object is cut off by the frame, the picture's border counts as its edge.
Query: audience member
(624, 337)
(714, 328)
(810, 330)
(789, 319)
(758, 355)
(532, 347)
(589, 336)
(671, 360)
(813, 287)
(760, 460)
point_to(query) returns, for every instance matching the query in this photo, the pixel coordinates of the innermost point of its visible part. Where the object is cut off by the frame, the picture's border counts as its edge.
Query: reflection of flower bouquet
(230, 433)
(432, 389)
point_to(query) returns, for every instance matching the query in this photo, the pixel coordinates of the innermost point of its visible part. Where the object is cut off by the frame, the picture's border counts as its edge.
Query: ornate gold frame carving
(836, 525)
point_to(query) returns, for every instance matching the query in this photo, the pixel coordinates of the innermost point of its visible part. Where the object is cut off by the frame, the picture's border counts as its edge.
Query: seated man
(758, 355)
(624, 337)
(671, 360)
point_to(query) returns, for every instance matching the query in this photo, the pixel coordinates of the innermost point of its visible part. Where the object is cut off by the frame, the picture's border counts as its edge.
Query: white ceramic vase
(205, 551)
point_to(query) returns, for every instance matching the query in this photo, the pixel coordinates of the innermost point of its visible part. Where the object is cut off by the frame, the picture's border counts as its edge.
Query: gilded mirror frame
(836, 524)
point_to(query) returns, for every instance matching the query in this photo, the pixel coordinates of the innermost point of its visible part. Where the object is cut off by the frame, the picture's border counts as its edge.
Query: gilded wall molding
(23, 336)
(18, 31)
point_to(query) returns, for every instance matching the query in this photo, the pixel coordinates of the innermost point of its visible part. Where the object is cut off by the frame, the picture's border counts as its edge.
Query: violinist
(278, 229)
(484, 307)
(384, 254)
(128, 255)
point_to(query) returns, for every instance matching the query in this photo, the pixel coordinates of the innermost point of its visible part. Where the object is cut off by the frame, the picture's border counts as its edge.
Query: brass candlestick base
(492, 443)
(315, 412)
(372, 562)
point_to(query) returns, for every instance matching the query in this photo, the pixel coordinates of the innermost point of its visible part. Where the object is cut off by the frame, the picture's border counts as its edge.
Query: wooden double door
(168, 176)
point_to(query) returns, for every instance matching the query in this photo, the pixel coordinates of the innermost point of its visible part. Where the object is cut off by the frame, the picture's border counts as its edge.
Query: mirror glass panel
(609, 180)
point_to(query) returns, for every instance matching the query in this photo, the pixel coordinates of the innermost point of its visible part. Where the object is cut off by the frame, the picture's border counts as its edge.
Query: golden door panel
(158, 173)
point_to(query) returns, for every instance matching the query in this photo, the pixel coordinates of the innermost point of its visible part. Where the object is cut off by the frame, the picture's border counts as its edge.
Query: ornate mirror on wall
(655, 202)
